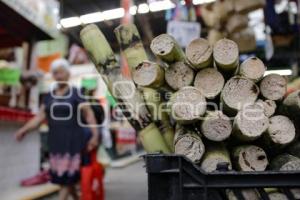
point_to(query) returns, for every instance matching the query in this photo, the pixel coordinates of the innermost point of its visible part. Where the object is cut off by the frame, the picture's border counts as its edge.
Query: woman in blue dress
(63, 108)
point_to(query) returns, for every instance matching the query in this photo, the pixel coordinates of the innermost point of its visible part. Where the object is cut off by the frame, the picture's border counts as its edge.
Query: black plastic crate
(173, 177)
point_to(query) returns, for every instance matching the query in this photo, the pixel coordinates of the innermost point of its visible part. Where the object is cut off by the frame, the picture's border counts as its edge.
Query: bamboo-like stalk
(280, 133)
(273, 87)
(285, 162)
(226, 55)
(250, 158)
(123, 89)
(199, 54)
(237, 92)
(215, 153)
(159, 115)
(269, 106)
(179, 75)
(189, 144)
(187, 105)
(131, 45)
(167, 49)
(216, 126)
(149, 74)
(252, 68)
(210, 82)
(250, 123)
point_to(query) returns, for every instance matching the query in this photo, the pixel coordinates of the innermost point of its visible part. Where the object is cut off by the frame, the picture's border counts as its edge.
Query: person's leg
(63, 193)
(73, 192)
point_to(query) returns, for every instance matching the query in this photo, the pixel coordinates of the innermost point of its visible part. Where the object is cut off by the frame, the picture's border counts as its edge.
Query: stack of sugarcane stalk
(202, 103)
(229, 18)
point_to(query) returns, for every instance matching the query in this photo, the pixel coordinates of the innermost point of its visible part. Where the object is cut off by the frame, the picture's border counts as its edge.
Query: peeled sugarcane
(131, 45)
(237, 92)
(280, 133)
(159, 115)
(149, 74)
(278, 196)
(226, 55)
(252, 68)
(189, 144)
(214, 36)
(122, 89)
(237, 23)
(216, 126)
(210, 82)
(187, 105)
(166, 48)
(250, 123)
(269, 106)
(215, 154)
(250, 158)
(199, 54)
(179, 75)
(248, 194)
(273, 87)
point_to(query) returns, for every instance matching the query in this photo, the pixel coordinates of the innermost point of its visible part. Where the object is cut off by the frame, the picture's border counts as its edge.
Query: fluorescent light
(282, 72)
(161, 5)
(70, 22)
(143, 8)
(132, 10)
(113, 14)
(197, 2)
(91, 18)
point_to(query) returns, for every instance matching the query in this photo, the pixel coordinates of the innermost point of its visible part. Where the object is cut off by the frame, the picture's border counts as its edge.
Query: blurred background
(33, 33)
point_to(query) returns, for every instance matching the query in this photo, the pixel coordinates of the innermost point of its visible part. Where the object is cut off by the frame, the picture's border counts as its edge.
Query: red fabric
(92, 187)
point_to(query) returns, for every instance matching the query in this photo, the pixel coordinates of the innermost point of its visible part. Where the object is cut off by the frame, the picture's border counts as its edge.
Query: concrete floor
(129, 183)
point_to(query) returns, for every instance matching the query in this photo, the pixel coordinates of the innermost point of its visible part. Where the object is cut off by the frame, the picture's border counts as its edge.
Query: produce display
(202, 103)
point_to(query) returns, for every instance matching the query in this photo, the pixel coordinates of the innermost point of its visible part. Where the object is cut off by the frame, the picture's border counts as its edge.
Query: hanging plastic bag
(91, 183)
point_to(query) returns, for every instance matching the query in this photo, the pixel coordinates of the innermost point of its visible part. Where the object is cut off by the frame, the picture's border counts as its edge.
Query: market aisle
(127, 183)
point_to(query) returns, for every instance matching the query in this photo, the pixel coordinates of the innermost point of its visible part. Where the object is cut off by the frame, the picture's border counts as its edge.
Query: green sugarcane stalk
(159, 115)
(130, 98)
(131, 45)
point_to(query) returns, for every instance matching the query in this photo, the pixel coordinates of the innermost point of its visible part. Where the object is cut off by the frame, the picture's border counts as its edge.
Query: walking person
(67, 141)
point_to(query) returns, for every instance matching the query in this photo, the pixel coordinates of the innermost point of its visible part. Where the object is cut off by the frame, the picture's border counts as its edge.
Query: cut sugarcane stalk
(166, 48)
(216, 126)
(285, 162)
(253, 68)
(280, 132)
(189, 144)
(215, 154)
(273, 87)
(248, 194)
(291, 105)
(237, 92)
(294, 149)
(187, 105)
(122, 88)
(149, 74)
(250, 123)
(245, 7)
(237, 23)
(269, 106)
(278, 196)
(214, 36)
(226, 55)
(250, 158)
(210, 82)
(159, 115)
(131, 45)
(179, 75)
(199, 54)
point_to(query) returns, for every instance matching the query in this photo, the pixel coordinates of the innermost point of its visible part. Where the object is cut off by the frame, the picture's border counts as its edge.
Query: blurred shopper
(67, 141)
